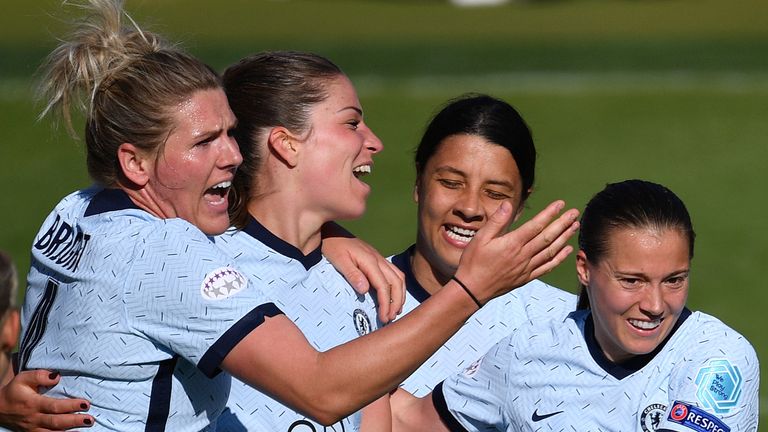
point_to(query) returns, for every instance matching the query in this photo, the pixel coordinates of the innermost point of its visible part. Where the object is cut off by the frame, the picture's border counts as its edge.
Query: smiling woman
(632, 358)
(149, 312)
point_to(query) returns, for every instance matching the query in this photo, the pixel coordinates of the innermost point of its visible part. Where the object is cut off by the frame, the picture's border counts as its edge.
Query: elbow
(330, 409)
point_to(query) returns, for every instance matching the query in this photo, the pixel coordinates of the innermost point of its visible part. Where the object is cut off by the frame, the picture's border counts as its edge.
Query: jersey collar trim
(403, 262)
(108, 200)
(623, 370)
(262, 234)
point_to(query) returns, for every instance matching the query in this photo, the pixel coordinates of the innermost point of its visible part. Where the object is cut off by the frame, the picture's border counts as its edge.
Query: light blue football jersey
(497, 319)
(135, 312)
(316, 298)
(552, 376)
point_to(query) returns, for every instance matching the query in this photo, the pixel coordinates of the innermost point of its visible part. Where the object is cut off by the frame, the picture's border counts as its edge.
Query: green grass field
(671, 91)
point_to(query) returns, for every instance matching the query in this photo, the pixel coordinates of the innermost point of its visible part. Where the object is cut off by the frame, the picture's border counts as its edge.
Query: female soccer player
(476, 153)
(635, 358)
(131, 301)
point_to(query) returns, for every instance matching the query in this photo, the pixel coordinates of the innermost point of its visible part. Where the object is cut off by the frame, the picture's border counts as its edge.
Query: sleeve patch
(719, 386)
(222, 283)
(683, 417)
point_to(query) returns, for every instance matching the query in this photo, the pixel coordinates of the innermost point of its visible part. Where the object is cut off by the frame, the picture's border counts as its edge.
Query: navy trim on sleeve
(211, 360)
(403, 262)
(160, 398)
(438, 399)
(258, 231)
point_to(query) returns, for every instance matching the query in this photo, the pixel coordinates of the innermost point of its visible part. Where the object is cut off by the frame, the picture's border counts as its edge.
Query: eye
(450, 184)
(630, 282)
(676, 281)
(353, 124)
(492, 194)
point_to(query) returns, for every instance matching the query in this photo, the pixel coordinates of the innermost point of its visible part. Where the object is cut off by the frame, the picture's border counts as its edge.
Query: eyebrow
(356, 109)
(450, 169)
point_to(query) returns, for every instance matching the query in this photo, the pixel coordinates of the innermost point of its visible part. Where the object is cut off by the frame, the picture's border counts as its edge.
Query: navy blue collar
(403, 262)
(262, 234)
(109, 200)
(623, 370)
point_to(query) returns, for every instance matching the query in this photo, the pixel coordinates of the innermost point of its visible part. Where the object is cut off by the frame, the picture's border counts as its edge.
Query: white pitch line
(568, 82)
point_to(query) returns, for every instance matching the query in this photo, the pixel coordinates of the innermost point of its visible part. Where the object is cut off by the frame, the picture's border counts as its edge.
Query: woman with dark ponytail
(633, 358)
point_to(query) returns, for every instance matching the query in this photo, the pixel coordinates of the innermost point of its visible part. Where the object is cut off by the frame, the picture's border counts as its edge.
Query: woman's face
(462, 184)
(637, 290)
(338, 151)
(194, 169)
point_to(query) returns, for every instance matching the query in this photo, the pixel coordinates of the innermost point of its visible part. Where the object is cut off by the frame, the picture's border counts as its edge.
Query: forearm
(327, 386)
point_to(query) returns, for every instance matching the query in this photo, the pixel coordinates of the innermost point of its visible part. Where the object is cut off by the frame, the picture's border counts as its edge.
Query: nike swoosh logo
(537, 418)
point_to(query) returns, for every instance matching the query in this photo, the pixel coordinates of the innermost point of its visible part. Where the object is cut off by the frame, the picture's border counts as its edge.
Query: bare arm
(364, 268)
(412, 414)
(23, 408)
(377, 417)
(277, 359)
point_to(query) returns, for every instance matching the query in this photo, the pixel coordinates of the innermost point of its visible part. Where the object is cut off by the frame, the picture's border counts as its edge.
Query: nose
(468, 206)
(229, 156)
(652, 302)
(372, 142)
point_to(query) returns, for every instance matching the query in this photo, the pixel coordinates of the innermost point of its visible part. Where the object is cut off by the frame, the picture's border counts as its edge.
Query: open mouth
(218, 193)
(460, 234)
(361, 170)
(645, 325)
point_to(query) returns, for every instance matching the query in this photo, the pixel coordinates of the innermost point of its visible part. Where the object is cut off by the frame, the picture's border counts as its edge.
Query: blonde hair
(123, 79)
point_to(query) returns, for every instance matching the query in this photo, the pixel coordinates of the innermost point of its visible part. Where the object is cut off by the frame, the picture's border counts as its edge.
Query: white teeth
(645, 325)
(362, 169)
(222, 185)
(460, 234)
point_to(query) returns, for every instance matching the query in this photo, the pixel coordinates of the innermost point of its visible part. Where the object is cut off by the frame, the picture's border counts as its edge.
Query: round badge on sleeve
(362, 322)
(222, 283)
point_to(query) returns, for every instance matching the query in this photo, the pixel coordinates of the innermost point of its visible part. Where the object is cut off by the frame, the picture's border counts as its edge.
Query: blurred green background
(674, 91)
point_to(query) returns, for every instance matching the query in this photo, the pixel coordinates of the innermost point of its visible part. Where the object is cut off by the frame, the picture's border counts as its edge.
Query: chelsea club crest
(651, 417)
(362, 322)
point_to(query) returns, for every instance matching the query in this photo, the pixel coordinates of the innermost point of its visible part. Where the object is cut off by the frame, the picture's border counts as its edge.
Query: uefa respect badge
(685, 417)
(718, 386)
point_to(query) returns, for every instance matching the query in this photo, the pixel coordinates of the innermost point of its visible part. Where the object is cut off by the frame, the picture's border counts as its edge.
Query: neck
(429, 277)
(283, 215)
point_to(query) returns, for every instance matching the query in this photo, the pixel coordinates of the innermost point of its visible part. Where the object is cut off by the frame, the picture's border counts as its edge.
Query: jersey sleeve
(187, 296)
(475, 399)
(715, 388)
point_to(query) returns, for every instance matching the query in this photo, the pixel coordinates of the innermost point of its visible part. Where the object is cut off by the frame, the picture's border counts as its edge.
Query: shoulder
(708, 336)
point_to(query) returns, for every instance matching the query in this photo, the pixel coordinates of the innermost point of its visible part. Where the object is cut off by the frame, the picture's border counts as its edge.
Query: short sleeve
(716, 386)
(475, 398)
(187, 296)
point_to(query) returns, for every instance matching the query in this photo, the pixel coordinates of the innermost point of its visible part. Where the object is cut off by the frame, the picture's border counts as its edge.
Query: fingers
(62, 422)
(496, 224)
(37, 378)
(497, 264)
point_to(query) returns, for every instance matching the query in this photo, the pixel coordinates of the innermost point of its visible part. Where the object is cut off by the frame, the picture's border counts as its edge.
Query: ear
(582, 268)
(416, 190)
(9, 333)
(134, 163)
(285, 145)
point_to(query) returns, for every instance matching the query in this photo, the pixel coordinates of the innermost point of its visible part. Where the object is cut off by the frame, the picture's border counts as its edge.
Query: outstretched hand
(23, 408)
(493, 264)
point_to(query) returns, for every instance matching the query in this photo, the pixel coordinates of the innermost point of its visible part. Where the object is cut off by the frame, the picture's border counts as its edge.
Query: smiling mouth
(217, 194)
(645, 325)
(361, 170)
(460, 234)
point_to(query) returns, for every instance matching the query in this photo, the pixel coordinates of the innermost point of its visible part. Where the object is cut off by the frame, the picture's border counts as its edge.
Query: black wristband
(464, 287)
